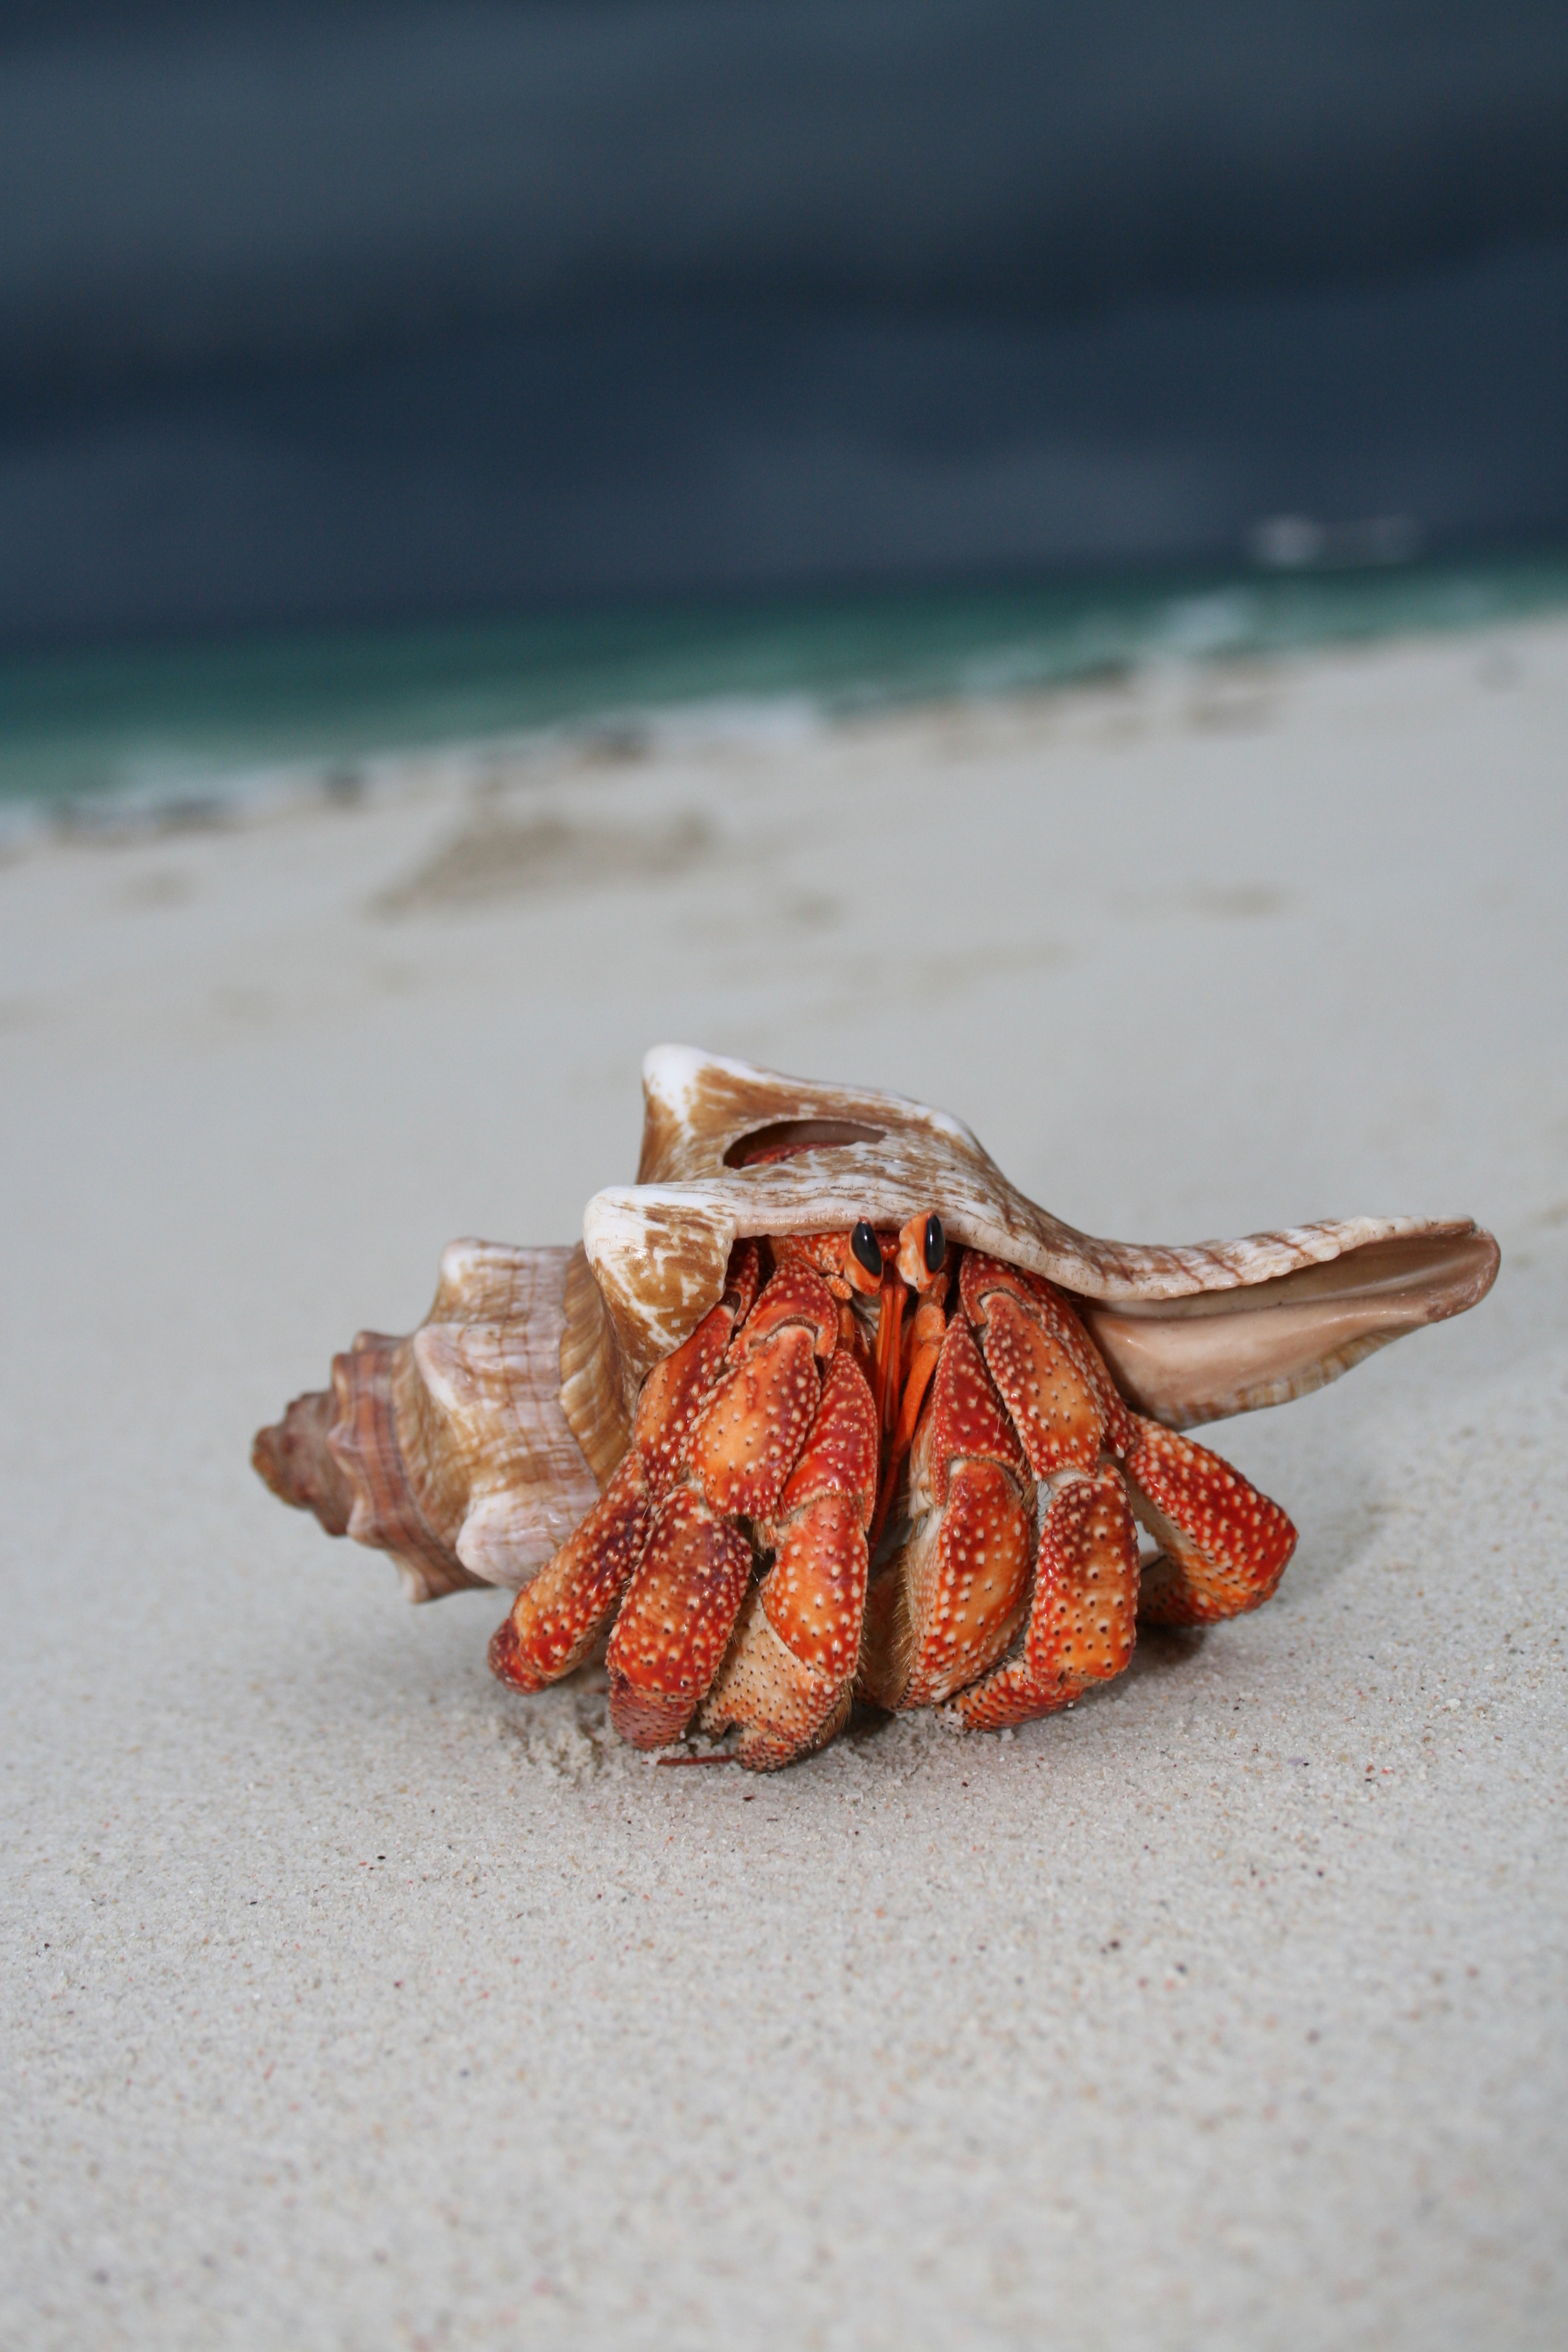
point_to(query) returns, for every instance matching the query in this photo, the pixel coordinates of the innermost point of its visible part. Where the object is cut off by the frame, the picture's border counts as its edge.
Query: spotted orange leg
(557, 1619)
(1224, 1546)
(1227, 1544)
(1083, 1610)
(947, 1605)
(686, 1592)
(787, 1678)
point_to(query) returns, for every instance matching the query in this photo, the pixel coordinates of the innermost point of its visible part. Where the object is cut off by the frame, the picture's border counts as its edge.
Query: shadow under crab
(691, 1431)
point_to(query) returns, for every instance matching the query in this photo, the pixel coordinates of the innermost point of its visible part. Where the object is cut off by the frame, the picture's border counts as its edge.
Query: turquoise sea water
(181, 724)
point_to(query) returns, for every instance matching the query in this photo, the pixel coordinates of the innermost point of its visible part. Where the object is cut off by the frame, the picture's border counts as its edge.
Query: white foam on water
(183, 736)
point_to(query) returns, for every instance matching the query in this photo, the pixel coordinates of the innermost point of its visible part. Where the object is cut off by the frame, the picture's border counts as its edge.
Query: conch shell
(471, 1449)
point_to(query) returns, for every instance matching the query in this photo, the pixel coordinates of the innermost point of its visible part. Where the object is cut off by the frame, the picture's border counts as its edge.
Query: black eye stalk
(934, 1249)
(867, 1248)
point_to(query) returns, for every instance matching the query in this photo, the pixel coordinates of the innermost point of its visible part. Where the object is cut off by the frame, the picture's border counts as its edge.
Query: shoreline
(181, 732)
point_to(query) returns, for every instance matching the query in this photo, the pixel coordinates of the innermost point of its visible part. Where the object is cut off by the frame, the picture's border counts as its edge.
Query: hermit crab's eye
(865, 1245)
(935, 1248)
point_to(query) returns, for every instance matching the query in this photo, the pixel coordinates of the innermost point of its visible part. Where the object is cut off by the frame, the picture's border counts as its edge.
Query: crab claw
(1081, 1625)
(955, 1596)
(557, 1619)
(790, 1670)
(1063, 1401)
(683, 1600)
(675, 1623)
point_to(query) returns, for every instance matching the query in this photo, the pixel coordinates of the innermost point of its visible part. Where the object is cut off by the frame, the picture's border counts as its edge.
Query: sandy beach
(1227, 2009)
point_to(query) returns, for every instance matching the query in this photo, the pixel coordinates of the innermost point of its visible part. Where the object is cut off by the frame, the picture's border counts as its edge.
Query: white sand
(351, 2001)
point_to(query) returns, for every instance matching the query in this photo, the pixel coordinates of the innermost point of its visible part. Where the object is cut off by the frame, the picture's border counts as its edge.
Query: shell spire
(462, 1450)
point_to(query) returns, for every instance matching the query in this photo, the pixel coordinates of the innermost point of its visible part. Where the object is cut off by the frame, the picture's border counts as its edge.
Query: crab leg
(686, 1592)
(954, 1597)
(675, 1620)
(557, 1619)
(1224, 1546)
(1082, 1612)
(1062, 1399)
(1081, 1615)
(790, 1670)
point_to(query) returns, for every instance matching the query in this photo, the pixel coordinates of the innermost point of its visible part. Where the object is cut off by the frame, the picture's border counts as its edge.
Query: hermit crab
(822, 1409)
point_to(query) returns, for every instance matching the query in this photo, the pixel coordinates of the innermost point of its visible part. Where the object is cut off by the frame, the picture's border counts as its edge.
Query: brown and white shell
(471, 1449)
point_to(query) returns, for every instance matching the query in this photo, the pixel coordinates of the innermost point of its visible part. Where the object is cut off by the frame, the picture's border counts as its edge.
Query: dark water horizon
(168, 724)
